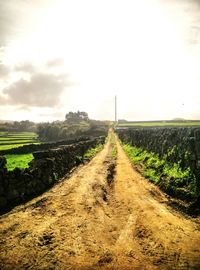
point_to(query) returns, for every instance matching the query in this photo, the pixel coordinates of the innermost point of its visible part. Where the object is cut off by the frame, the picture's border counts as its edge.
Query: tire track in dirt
(105, 216)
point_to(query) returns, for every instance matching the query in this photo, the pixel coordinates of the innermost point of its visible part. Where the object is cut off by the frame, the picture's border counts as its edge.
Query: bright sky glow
(146, 52)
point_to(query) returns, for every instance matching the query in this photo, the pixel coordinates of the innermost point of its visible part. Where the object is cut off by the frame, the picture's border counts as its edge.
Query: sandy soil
(105, 216)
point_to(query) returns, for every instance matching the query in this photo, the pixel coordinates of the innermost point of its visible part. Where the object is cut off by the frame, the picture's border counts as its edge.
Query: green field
(158, 123)
(9, 140)
(17, 134)
(16, 142)
(11, 146)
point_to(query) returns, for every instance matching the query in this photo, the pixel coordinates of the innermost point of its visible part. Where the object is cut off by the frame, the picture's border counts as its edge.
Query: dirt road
(105, 216)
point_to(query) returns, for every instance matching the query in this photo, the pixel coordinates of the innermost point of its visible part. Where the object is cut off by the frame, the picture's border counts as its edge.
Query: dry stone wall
(29, 148)
(47, 168)
(175, 144)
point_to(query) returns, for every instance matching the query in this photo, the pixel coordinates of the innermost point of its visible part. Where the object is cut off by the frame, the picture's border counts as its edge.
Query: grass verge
(169, 176)
(92, 152)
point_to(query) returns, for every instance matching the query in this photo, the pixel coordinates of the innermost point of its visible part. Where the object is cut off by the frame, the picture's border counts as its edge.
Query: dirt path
(99, 219)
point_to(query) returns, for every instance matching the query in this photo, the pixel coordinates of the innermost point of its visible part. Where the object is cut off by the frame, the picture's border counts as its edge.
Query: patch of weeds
(92, 152)
(152, 175)
(160, 171)
(174, 170)
(20, 161)
(114, 152)
(55, 175)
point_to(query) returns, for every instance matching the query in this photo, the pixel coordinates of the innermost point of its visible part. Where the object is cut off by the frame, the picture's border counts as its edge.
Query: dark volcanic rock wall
(30, 148)
(175, 144)
(46, 168)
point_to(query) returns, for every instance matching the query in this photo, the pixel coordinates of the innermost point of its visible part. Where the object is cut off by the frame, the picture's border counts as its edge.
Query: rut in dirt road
(105, 216)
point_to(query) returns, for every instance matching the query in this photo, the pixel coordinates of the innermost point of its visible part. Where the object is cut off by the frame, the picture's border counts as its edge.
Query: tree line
(76, 124)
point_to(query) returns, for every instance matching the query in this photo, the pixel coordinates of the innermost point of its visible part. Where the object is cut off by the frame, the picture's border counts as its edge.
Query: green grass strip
(155, 168)
(11, 146)
(162, 124)
(16, 142)
(10, 139)
(93, 151)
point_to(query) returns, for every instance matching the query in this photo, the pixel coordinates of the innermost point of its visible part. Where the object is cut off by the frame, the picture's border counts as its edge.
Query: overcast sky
(67, 55)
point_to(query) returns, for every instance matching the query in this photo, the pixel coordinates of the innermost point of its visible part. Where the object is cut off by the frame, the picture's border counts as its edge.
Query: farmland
(158, 123)
(11, 140)
(16, 140)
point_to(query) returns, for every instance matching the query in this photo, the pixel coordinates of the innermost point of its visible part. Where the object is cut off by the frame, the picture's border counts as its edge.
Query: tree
(76, 116)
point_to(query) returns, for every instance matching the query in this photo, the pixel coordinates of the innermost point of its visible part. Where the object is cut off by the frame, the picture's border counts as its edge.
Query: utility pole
(115, 110)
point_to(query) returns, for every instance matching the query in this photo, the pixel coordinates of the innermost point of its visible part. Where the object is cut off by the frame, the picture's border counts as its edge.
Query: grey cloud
(23, 108)
(4, 71)
(55, 62)
(25, 67)
(3, 100)
(43, 90)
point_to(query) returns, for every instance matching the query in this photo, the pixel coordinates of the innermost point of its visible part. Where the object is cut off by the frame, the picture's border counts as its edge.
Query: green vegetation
(114, 152)
(159, 123)
(10, 146)
(113, 145)
(15, 142)
(18, 135)
(14, 139)
(76, 124)
(93, 151)
(158, 170)
(20, 161)
(9, 140)
(15, 126)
